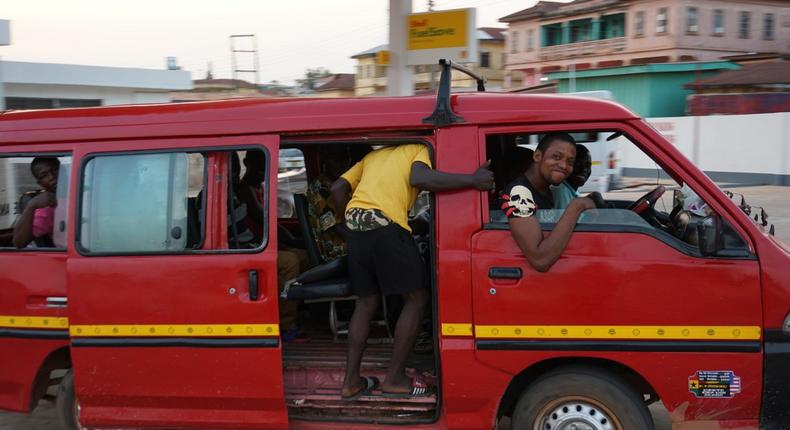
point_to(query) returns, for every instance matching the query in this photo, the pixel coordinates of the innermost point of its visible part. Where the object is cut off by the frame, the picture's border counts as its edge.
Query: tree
(311, 76)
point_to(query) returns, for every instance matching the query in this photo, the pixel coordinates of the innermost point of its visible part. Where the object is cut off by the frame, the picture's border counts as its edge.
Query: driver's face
(556, 163)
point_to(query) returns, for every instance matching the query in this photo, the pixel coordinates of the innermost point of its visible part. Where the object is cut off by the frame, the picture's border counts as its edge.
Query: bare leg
(406, 330)
(358, 330)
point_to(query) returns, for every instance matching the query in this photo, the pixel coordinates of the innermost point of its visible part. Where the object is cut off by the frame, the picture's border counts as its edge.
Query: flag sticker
(714, 384)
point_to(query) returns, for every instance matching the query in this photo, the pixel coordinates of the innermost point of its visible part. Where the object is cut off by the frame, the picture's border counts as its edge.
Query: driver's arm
(542, 252)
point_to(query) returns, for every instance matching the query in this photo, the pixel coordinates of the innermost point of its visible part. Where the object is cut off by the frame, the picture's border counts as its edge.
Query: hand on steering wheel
(598, 199)
(643, 205)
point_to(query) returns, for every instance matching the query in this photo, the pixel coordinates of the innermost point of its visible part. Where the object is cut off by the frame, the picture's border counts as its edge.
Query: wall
(108, 96)
(751, 149)
(111, 85)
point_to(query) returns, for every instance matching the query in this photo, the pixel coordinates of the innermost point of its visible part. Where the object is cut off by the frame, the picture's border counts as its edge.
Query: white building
(25, 85)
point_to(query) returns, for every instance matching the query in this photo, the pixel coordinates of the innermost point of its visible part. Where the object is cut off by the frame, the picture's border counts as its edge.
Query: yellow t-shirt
(381, 181)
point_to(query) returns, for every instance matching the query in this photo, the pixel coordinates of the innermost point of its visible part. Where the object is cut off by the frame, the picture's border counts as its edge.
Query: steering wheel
(644, 204)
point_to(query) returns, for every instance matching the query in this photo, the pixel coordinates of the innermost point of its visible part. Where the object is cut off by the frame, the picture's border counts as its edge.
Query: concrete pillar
(2, 86)
(596, 29)
(400, 77)
(566, 32)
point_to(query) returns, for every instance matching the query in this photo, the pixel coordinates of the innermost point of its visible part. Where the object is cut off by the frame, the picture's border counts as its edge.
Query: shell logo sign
(446, 34)
(438, 29)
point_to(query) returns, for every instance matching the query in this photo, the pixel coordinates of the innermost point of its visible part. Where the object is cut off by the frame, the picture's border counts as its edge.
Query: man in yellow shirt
(375, 195)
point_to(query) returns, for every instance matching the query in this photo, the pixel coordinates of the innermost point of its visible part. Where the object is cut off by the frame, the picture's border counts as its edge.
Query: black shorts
(384, 261)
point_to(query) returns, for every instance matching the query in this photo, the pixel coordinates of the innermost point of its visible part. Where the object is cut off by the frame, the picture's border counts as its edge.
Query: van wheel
(67, 406)
(580, 398)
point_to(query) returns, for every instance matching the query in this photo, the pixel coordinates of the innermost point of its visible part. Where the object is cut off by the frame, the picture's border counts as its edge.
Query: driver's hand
(598, 199)
(582, 203)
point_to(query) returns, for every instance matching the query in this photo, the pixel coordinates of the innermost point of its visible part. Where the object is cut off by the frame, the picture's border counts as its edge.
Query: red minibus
(148, 310)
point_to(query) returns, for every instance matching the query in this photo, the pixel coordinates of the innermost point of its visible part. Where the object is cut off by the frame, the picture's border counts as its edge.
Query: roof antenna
(443, 112)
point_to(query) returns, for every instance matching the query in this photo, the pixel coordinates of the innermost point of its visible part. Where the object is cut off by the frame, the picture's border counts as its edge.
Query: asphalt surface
(775, 200)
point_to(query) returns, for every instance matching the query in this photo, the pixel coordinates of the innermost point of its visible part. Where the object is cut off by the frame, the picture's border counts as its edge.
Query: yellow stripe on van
(597, 163)
(23, 321)
(457, 330)
(175, 330)
(617, 332)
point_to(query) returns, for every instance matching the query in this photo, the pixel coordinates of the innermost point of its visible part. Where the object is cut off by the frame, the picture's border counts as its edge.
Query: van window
(18, 187)
(291, 179)
(139, 203)
(247, 203)
(674, 212)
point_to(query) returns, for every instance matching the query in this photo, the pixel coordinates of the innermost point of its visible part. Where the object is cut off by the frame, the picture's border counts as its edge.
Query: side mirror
(710, 235)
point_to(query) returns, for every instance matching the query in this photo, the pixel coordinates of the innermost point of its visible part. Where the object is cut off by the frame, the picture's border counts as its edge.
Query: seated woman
(567, 190)
(37, 218)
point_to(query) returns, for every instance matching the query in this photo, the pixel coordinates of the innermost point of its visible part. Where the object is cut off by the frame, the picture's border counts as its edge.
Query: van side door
(173, 320)
(33, 323)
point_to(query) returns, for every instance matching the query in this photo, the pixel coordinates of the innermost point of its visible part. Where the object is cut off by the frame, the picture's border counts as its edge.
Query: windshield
(721, 146)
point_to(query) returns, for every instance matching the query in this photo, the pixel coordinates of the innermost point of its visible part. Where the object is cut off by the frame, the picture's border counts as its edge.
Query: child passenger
(38, 216)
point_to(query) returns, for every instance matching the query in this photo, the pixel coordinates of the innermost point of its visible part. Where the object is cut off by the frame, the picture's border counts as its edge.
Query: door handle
(252, 284)
(504, 273)
(57, 302)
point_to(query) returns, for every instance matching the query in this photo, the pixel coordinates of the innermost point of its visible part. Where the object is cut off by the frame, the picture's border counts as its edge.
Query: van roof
(292, 116)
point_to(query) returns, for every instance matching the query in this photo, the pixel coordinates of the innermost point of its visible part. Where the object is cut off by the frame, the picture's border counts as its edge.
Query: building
(650, 90)
(593, 34)
(336, 85)
(25, 85)
(218, 89)
(762, 87)
(371, 77)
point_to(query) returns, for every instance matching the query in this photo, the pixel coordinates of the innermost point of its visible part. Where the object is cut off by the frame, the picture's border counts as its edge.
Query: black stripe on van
(609, 345)
(245, 342)
(34, 333)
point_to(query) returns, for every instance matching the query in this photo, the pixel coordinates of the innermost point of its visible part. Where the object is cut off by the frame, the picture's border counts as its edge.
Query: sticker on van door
(714, 384)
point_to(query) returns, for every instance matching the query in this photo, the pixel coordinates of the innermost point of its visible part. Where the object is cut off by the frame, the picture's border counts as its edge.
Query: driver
(553, 163)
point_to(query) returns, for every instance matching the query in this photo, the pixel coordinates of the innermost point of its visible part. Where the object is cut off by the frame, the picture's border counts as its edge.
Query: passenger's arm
(540, 252)
(341, 195)
(254, 207)
(425, 178)
(23, 228)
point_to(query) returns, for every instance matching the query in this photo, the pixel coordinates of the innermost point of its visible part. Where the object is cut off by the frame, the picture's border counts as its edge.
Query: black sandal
(371, 383)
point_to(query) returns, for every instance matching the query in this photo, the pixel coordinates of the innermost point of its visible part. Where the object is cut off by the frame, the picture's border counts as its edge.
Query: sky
(292, 35)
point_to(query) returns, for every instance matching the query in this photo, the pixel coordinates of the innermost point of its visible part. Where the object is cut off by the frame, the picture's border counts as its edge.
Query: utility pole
(254, 51)
(400, 77)
(5, 40)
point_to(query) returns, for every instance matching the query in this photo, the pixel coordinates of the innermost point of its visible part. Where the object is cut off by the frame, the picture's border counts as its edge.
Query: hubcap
(77, 410)
(575, 415)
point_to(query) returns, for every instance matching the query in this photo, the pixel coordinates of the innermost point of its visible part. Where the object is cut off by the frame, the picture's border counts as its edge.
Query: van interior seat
(324, 282)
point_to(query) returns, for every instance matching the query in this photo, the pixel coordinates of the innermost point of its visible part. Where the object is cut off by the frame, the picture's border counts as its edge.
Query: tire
(586, 397)
(66, 404)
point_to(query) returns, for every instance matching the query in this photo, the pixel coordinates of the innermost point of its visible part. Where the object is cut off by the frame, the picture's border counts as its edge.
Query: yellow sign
(432, 30)
(383, 58)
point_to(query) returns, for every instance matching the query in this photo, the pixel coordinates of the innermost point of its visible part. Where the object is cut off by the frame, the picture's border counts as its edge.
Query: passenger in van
(568, 189)
(552, 163)
(239, 234)
(36, 222)
(322, 215)
(375, 195)
(290, 262)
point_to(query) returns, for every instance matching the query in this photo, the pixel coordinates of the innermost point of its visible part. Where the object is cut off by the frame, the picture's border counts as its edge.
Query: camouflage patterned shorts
(358, 219)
